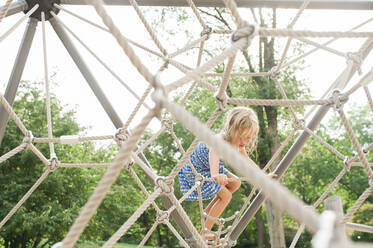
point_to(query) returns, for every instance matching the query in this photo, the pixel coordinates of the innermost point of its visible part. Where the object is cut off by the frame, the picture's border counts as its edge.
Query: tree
(316, 167)
(46, 216)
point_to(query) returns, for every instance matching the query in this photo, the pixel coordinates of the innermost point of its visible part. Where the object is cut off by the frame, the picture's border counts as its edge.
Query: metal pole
(87, 74)
(292, 4)
(285, 163)
(17, 71)
(16, 7)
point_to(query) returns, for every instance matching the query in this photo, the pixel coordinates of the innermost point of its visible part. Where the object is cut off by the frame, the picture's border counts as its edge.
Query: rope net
(131, 153)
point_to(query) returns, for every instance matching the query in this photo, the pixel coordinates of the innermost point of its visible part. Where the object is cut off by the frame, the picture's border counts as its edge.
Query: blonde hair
(242, 121)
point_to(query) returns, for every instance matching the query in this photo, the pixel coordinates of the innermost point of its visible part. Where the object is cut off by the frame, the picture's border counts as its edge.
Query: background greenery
(46, 216)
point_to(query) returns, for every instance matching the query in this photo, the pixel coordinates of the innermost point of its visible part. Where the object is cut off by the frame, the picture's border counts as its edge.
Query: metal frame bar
(290, 156)
(16, 7)
(293, 4)
(17, 71)
(87, 74)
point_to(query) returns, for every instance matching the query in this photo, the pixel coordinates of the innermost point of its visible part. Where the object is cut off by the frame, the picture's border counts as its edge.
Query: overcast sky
(321, 69)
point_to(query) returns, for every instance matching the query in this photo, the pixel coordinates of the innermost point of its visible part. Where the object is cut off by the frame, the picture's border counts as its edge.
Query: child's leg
(224, 197)
(212, 203)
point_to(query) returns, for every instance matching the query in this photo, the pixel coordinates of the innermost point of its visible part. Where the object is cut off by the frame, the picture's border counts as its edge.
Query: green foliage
(46, 216)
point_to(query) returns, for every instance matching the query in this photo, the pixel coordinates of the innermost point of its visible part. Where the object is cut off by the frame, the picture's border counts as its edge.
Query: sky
(321, 68)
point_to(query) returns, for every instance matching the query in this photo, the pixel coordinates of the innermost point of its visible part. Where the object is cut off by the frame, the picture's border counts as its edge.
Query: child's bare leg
(208, 209)
(224, 197)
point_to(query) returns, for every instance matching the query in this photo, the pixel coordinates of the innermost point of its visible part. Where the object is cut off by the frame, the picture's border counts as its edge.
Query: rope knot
(221, 221)
(248, 32)
(274, 73)
(365, 150)
(28, 139)
(199, 179)
(128, 165)
(222, 101)
(168, 124)
(121, 136)
(162, 217)
(347, 163)
(356, 59)
(370, 182)
(231, 243)
(53, 163)
(158, 94)
(338, 99)
(206, 31)
(165, 184)
(166, 62)
(299, 124)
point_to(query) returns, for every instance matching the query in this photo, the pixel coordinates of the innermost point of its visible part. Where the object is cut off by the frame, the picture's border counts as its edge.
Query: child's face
(241, 139)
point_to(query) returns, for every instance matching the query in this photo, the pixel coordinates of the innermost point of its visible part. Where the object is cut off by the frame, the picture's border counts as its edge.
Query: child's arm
(214, 168)
(244, 153)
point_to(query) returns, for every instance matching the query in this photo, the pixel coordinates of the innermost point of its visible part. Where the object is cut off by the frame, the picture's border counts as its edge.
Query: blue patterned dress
(200, 160)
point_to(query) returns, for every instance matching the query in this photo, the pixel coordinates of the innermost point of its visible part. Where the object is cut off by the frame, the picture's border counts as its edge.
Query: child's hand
(221, 179)
(271, 175)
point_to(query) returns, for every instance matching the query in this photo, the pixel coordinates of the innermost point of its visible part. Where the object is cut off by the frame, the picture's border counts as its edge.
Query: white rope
(13, 152)
(122, 41)
(369, 97)
(323, 237)
(105, 184)
(323, 44)
(279, 195)
(13, 115)
(198, 72)
(5, 9)
(19, 22)
(97, 58)
(123, 229)
(25, 197)
(47, 87)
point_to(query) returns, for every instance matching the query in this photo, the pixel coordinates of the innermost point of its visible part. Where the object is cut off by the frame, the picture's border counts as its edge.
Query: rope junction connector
(248, 32)
(162, 217)
(165, 184)
(365, 150)
(199, 179)
(129, 165)
(231, 243)
(158, 93)
(168, 124)
(356, 59)
(166, 62)
(299, 124)
(347, 163)
(121, 136)
(221, 221)
(28, 139)
(206, 31)
(222, 102)
(338, 99)
(53, 163)
(274, 73)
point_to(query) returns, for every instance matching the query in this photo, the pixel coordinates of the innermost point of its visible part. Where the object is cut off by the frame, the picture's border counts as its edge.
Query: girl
(241, 131)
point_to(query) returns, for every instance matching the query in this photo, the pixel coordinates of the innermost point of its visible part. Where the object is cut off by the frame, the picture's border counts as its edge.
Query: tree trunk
(274, 215)
(262, 235)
